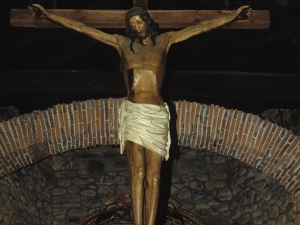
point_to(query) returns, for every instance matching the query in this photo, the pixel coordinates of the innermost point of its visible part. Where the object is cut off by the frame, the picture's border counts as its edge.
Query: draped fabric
(146, 125)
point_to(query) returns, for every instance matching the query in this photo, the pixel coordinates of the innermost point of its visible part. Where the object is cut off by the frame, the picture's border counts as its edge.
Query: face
(139, 25)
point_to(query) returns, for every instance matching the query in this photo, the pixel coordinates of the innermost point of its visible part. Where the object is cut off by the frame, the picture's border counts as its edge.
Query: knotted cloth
(146, 125)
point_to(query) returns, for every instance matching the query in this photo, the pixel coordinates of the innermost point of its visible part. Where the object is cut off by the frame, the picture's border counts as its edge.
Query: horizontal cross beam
(175, 19)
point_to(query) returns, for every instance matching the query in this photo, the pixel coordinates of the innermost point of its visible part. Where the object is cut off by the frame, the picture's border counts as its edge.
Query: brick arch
(264, 145)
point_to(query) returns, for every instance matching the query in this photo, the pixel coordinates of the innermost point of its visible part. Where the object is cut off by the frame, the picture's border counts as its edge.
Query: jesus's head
(140, 26)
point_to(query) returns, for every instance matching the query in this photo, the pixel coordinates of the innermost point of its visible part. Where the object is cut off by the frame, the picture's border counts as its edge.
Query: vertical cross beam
(140, 3)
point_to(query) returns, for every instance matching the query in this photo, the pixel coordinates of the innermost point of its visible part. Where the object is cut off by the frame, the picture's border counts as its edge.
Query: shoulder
(166, 36)
(121, 39)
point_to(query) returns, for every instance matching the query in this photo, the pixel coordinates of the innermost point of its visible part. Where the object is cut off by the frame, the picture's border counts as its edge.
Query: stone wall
(65, 188)
(26, 195)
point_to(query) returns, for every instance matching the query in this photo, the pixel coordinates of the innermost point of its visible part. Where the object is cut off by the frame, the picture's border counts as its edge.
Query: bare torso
(144, 71)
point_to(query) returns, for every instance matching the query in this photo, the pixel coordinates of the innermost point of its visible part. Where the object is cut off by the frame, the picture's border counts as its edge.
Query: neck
(146, 41)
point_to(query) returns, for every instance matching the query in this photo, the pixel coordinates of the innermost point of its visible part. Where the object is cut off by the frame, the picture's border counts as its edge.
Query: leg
(152, 182)
(136, 160)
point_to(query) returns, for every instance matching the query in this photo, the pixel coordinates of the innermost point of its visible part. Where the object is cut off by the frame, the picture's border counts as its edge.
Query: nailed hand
(245, 12)
(36, 10)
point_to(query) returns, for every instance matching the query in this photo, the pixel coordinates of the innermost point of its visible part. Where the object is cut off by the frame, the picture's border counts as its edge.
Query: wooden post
(140, 3)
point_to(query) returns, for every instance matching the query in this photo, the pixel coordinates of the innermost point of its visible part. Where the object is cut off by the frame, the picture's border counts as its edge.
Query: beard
(142, 37)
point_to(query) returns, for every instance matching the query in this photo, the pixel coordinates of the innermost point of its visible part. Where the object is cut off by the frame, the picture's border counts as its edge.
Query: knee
(139, 173)
(153, 179)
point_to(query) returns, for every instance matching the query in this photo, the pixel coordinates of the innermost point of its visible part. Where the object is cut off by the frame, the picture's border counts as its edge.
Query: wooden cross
(174, 19)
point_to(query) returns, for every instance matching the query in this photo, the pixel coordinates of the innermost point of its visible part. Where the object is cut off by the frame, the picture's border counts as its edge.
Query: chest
(143, 54)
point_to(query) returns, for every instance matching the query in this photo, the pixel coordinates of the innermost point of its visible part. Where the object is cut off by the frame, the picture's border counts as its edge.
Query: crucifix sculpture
(144, 117)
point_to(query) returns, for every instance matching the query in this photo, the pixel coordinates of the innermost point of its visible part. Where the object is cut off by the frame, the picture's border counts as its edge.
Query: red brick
(88, 122)
(225, 147)
(60, 116)
(98, 122)
(282, 150)
(203, 121)
(18, 151)
(40, 126)
(209, 138)
(261, 151)
(229, 139)
(193, 126)
(266, 136)
(206, 129)
(106, 121)
(187, 124)
(4, 164)
(214, 116)
(247, 136)
(57, 128)
(213, 126)
(80, 125)
(243, 133)
(21, 123)
(258, 136)
(48, 138)
(63, 127)
(294, 186)
(33, 129)
(291, 149)
(236, 153)
(93, 123)
(102, 117)
(254, 154)
(246, 151)
(72, 126)
(270, 144)
(295, 168)
(115, 121)
(20, 134)
(218, 127)
(285, 156)
(42, 121)
(199, 130)
(222, 140)
(284, 176)
(67, 124)
(182, 122)
(275, 141)
(76, 125)
(196, 125)
(29, 130)
(11, 142)
(192, 123)
(235, 133)
(84, 125)
(110, 120)
(53, 131)
(16, 139)
(11, 147)
(24, 131)
(273, 161)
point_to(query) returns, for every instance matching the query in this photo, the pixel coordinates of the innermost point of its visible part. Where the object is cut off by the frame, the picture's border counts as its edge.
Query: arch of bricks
(246, 137)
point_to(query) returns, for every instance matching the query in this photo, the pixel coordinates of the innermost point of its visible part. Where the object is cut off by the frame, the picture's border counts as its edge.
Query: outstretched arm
(243, 12)
(109, 39)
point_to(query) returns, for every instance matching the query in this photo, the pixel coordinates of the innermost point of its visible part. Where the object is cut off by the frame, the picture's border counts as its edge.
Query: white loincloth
(146, 125)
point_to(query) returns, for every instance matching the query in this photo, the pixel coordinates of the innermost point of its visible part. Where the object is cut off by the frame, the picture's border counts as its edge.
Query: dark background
(250, 70)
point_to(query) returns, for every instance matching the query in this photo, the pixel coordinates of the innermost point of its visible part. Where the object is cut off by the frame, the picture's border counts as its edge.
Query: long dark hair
(152, 26)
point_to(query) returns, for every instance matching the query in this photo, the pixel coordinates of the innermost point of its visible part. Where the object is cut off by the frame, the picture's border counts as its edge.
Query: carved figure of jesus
(144, 118)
